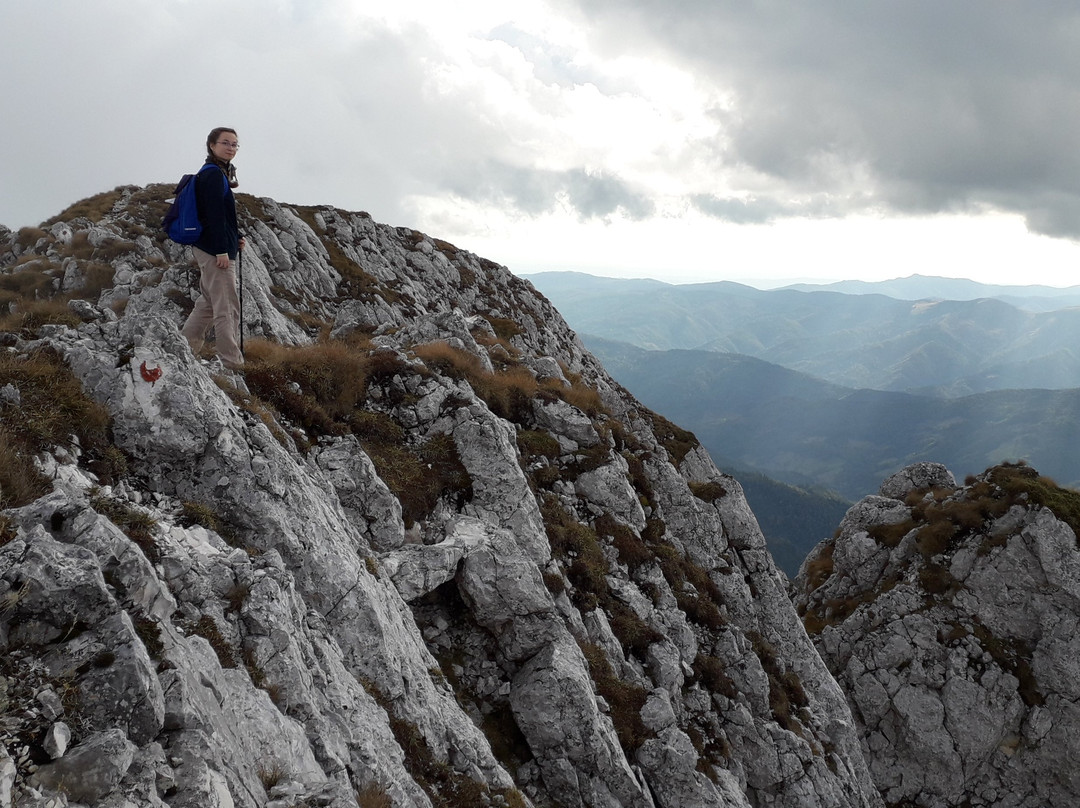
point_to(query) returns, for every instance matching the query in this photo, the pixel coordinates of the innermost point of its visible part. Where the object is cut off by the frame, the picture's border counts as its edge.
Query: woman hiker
(216, 251)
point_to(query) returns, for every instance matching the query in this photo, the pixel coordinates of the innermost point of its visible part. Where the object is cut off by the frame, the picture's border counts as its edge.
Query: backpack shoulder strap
(224, 176)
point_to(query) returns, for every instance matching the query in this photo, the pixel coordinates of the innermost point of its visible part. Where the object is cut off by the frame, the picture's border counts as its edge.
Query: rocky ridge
(421, 552)
(948, 614)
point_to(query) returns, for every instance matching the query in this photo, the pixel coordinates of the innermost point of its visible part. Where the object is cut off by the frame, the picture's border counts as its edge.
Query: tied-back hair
(227, 167)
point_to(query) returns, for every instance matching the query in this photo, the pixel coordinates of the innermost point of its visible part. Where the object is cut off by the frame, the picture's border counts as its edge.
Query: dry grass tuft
(54, 411)
(94, 208)
(373, 795)
(624, 698)
(820, 568)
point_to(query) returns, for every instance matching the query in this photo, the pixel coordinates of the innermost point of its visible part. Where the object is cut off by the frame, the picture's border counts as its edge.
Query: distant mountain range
(928, 345)
(924, 287)
(779, 385)
(803, 431)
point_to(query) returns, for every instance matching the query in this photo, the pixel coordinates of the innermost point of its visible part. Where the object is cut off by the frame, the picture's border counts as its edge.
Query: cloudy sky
(690, 140)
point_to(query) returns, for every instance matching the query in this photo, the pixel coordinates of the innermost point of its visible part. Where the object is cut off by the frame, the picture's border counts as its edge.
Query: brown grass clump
(324, 388)
(356, 281)
(26, 284)
(199, 513)
(708, 492)
(1018, 479)
(821, 568)
(138, 526)
(444, 358)
(373, 795)
(505, 328)
(444, 785)
(28, 237)
(786, 692)
(937, 580)
(31, 315)
(890, 535)
(332, 379)
(624, 699)
(54, 411)
(633, 633)
(534, 444)
(946, 517)
(7, 530)
(632, 550)
(420, 476)
(585, 398)
(700, 605)
(206, 628)
(837, 610)
(508, 391)
(677, 441)
(710, 672)
(94, 208)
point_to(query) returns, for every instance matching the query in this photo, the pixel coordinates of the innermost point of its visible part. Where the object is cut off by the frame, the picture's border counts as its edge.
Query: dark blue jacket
(217, 214)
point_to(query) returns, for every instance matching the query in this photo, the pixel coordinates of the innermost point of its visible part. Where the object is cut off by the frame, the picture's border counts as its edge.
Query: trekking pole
(240, 264)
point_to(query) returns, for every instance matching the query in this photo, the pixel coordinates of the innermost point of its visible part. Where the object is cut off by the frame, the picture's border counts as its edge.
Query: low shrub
(937, 580)
(786, 692)
(272, 773)
(442, 357)
(28, 284)
(580, 395)
(1018, 479)
(632, 550)
(702, 604)
(8, 532)
(505, 328)
(316, 386)
(148, 630)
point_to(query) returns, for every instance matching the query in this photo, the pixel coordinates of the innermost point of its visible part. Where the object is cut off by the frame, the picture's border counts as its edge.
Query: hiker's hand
(223, 262)
(243, 243)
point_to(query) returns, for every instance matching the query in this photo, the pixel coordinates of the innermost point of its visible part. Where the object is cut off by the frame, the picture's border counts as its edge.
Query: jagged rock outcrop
(948, 615)
(421, 551)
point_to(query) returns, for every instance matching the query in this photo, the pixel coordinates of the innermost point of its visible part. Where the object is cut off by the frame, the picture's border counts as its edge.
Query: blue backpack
(181, 222)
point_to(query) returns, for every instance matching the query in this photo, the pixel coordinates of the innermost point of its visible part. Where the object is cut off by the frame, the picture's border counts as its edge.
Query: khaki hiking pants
(218, 306)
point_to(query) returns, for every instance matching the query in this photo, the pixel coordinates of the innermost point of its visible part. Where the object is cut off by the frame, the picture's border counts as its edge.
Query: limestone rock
(581, 612)
(92, 769)
(917, 476)
(950, 622)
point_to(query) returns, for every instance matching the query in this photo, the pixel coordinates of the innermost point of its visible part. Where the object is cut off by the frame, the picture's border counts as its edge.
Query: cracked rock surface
(490, 577)
(948, 615)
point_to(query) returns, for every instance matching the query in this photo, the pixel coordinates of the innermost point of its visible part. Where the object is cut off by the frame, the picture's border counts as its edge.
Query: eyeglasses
(228, 144)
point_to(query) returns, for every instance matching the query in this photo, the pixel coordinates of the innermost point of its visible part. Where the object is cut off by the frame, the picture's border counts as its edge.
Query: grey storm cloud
(537, 191)
(831, 108)
(914, 106)
(741, 211)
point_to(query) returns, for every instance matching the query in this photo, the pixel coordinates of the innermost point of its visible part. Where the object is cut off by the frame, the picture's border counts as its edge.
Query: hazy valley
(783, 382)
